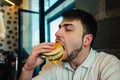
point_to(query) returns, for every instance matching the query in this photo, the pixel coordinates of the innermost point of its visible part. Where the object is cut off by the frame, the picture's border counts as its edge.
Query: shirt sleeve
(111, 69)
(47, 72)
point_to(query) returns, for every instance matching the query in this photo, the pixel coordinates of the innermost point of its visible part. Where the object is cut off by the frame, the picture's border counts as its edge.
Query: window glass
(29, 29)
(35, 29)
(49, 3)
(34, 5)
(54, 27)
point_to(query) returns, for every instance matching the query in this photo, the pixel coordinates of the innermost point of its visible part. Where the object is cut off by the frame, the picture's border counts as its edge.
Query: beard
(73, 54)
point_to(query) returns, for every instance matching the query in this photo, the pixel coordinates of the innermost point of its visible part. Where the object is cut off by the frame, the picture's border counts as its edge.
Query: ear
(87, 40)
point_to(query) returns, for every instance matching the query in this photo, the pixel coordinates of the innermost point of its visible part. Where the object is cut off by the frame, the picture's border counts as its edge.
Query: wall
(10, 16)
(107, 14)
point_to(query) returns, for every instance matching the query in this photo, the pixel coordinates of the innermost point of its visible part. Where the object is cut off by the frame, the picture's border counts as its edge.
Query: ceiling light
(10, 2)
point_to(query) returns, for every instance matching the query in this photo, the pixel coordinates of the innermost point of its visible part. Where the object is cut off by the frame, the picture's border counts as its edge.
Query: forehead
(76, 23)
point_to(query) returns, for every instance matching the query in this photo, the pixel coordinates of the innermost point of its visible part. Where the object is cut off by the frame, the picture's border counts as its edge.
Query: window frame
(71, 6)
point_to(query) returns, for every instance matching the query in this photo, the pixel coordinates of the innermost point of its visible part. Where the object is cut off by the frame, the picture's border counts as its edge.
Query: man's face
(70, 34)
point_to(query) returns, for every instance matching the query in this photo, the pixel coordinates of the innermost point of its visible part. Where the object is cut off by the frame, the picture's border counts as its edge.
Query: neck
(80, 58)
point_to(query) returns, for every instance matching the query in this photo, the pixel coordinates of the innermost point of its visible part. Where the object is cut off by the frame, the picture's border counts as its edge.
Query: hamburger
(56, 54)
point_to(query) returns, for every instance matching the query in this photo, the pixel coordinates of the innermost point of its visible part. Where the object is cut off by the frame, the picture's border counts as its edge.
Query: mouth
(62, 45)
(59, 41)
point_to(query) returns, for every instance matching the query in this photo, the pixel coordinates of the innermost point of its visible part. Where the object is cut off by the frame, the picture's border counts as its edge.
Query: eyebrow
(65, 25)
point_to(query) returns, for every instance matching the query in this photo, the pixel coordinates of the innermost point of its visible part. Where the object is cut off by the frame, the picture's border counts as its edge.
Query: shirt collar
(88, 61)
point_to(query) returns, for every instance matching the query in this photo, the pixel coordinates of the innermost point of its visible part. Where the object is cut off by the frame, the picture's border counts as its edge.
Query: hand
(34, 58)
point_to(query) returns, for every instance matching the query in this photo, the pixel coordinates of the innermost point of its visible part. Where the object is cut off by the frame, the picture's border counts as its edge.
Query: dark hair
(88, 21)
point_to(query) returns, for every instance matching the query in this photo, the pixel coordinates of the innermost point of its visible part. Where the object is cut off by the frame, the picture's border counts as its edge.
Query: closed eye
(68, 27)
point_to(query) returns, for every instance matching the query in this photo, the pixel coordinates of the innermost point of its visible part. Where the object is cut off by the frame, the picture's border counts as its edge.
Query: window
(54, 27)
(49, 3)
(53, 18)
(34, 5)
(35, 29)
(29, 27)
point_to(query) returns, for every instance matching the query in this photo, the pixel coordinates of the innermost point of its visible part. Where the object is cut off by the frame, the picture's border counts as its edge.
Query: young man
(76, 33)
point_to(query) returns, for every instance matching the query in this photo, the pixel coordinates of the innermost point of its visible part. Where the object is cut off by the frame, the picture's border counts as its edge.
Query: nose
(59, 33)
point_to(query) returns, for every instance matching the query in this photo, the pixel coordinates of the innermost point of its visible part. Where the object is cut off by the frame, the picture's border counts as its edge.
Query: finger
(47, 43)
(44, 46)
(40, 51)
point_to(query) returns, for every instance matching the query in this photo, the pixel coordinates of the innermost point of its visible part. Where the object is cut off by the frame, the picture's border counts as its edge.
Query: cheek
(73, 43)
